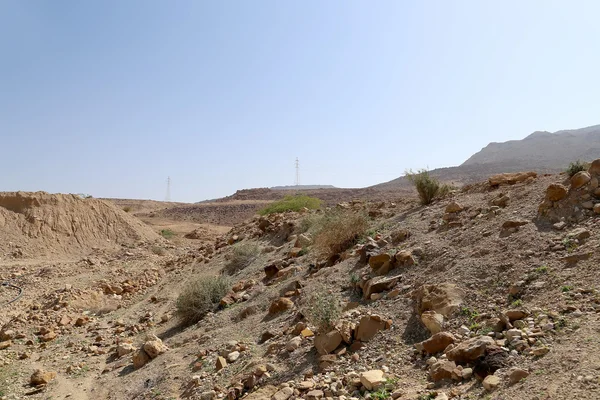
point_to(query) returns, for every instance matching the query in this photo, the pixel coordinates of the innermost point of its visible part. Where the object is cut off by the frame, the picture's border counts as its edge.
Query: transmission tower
(168, 196)
(297, 172)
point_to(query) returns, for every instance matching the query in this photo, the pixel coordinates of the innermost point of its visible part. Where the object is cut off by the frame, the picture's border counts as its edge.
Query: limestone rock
(125, 348)
(378, 284)
(233, 356)
(470, 350)
(140, 358)
(381, 264)
(433, 321)
(556, 192)
(511, 178)
(304, 240)
(442, 370)
(444, 298)
(155, 347)
(283, 394)
(369, 326)
(281, 304)
(437, 342)
(293, 343)
(594, 167)
(515, 375)
(454, 207)
(327, 342)
(221, 363)
(405, 258)
(41, 377)
(491, 382)
(372, 380)
(580, 179)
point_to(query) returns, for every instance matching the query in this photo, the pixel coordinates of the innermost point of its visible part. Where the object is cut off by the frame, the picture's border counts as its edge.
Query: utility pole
(297, 172)
(168, 196)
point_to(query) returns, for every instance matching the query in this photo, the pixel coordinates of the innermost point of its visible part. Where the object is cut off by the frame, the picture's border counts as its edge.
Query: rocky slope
(490, 293)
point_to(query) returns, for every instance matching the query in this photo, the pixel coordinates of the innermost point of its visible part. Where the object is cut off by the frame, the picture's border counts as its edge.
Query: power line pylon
(168, 196)
(297, 172)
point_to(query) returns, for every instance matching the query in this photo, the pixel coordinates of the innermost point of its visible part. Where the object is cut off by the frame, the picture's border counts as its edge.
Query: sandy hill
(544, 152)
(36, 224)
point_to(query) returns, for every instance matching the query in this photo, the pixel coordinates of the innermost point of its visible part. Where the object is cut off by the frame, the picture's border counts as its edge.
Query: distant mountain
(303, 187)
(543, 152)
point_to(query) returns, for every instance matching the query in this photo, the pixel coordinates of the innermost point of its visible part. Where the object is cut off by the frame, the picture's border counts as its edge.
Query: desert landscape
(486, 289)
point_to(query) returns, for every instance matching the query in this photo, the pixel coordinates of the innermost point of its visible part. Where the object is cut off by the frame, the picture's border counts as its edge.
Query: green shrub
(200, 297)
(240, 257)
(291, 203)
(576, 167)
(323, 310)
(167, 233)
(338, 231)
(428, 187)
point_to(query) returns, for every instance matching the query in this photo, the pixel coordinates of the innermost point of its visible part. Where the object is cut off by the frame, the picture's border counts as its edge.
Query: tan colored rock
(580, 179)
(491, 382)
(368, 327)
(280, 305)
(125, 348)
(378, 284)
(433, 321)
(8, 334)
(441, 370)
(307, 333)
(327, 342)
(5, 344)
(470, 350)
(304, 240)
(556, 192)
(515, 375)
(514, 223)
(454, 207)
(514, 315)
(437, 343)
(597, 208)
(283, 394)
(293, 343)
(444, 298)
(48, 336)
(221, 363)
(140, 358)
(41, 377)
(511, 178)
(405, 258)
(155, 347)
(314, 395)
(594, 168)
(381, 263)
(372, 379)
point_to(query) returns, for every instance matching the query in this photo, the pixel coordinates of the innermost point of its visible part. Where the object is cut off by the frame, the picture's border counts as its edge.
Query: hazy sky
(111, 97)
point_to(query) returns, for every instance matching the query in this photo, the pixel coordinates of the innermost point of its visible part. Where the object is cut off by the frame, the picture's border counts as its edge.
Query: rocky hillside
(490, 293)
(543, 152)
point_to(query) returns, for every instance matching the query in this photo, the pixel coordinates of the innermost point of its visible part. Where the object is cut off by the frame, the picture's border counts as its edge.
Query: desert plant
(338, 231)
(200, 297)
(576, 167)
(291, 203)
(127, 209)
(428, 187)
(241, 256)
(323, 310)
(167, 233)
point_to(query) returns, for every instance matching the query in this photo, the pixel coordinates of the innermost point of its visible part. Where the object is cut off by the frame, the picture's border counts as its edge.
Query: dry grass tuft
(200, 297)
(323, 310)
(241, 257)
(337, 231)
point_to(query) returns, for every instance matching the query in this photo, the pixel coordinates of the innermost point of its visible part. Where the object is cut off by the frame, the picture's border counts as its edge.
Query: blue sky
(109, 98)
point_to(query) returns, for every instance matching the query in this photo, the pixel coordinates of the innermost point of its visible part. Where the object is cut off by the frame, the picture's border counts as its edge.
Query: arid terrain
(490, 292)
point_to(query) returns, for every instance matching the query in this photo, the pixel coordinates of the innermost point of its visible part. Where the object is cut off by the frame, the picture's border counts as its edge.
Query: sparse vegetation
(428, 187)
(323, 310)
(200, 297)
(338, 231)
(380, 394)
(292, 203)
(541, 270)
(576, 167)
(517, 303)
(241, 257)
(127, 209)
(566, 288)
(167, 233)
(159, 251)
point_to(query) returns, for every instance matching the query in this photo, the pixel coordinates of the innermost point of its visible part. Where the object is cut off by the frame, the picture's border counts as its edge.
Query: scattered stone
(540, 351)
(515, 375)
(140, 358)
(511, 178)
(221, 363)
(491, 382)
(372, 380)
(233, 356)
(433, 321)
(155, 347)
(442, 370)
(444, 298)
(436, 343)
(125, 348)
(454, 207)
(328, 342)
(41, 377)
(556, 192)
(369, 326)
(378, 284)
(293, 344)
(281, 304)
(470, 350)
(579, 234)
(283, 394)
(5, 344)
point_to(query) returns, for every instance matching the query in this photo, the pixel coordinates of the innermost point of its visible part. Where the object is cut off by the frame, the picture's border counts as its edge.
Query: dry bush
(576, 167)
(159, 251)
(337, 231)
(127, 209)
(200, 297)
(241, 257)
(428, 187)
(323, 310)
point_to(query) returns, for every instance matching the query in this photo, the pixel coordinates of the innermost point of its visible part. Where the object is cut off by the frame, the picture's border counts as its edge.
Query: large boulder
(511, 178)
(327, 342)
(444, 298)
(470, 350)
(433, 321)
(369, 326)
(580, 179)
(556, 192)
(437, 343)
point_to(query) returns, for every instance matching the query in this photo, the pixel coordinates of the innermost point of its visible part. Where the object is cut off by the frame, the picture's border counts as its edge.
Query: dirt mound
(41, 223)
